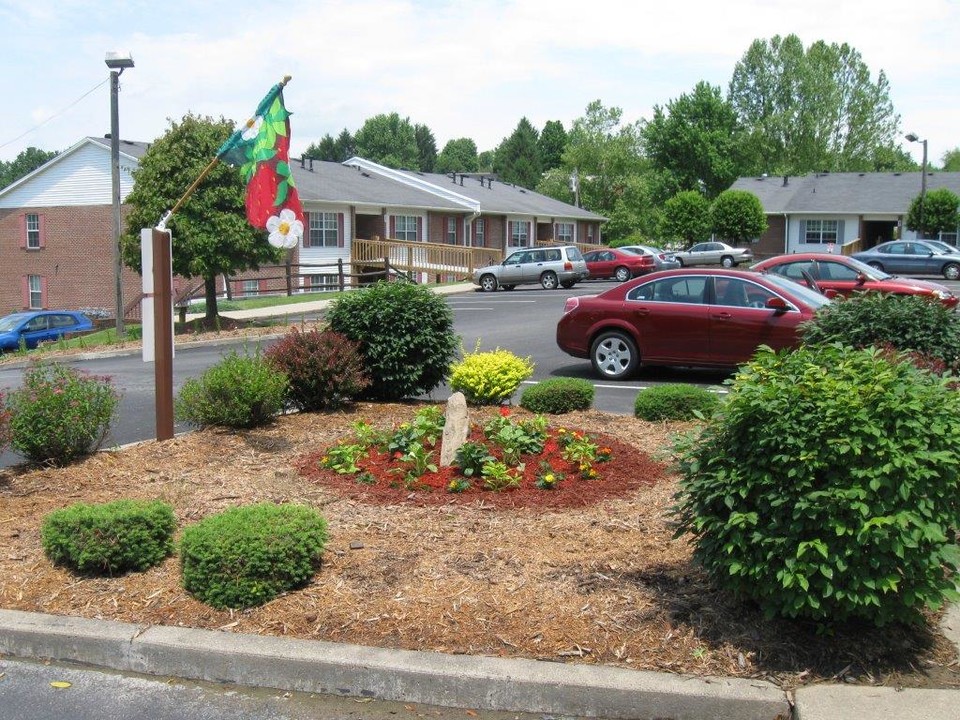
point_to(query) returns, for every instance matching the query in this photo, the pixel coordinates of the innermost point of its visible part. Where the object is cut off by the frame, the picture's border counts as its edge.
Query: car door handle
(722, 315)
(641, 312)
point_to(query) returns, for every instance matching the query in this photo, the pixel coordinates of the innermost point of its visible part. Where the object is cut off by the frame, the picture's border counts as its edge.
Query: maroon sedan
(846, 275)
(618, 264)
(692, 317)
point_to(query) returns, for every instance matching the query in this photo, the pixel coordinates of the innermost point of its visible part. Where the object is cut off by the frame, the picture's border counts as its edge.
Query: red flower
(504, 411)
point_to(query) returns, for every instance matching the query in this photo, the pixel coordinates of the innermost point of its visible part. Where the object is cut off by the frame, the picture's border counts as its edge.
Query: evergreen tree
(518, 158)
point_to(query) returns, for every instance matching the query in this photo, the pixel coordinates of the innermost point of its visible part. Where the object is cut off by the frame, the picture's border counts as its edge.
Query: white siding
(80, 178)
(327, 255)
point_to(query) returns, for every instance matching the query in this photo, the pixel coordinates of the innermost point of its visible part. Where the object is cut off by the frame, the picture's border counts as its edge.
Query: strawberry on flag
(261, 148)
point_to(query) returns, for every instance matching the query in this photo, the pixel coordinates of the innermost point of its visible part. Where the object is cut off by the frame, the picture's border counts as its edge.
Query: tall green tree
(485, 161)
(23, 164)
(951, 160)
(694, 141)
(332, 149)
(551, 144)
(814, 109)
(458, 155)
(518, 158)
(686, 218)
(211, 235)
(939, 211)
(737, 216)
(389, 140)
(426, 147)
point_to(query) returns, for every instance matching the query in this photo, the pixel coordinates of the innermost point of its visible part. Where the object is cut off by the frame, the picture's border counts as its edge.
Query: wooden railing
(435, 259)
(854, 246)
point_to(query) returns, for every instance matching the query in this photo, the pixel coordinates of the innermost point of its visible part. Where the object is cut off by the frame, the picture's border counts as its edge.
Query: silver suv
(562, 266)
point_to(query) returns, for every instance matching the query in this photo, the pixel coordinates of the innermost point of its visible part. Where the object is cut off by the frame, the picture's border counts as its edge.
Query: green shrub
(828, 487)
(405, 333)
(109, 538)
(248, 555)
(489, 378)
(60, 413)
(906, 322)
(674, 402)
(241, 391)
(557, 396)
(325, 369)
(4, 423)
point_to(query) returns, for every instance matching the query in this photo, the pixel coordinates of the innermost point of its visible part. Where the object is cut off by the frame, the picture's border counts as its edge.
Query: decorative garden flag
(261, 147)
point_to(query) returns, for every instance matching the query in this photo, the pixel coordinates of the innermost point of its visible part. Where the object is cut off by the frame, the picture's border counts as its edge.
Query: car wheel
(567, 284)
(727, 261)
(951, 271)
(622, 274)
(614, 355)
(680, 262)
(875, 265)
(488, 283)
(549, 280)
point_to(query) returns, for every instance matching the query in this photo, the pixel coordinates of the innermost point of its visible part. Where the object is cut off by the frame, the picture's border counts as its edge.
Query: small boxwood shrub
(247, 556)
(405, 333)
(60, 413)
(109, 538)
(489, 378)
(674, 402)
(241, 391)
(557, 396)
(905, 322)
(828, 487)
(325, 369)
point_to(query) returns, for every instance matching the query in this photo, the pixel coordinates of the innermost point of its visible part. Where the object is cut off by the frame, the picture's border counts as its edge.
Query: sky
(463, 69)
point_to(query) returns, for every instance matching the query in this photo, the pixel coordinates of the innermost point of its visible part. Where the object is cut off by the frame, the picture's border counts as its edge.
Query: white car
(714, 253)
(551, 267)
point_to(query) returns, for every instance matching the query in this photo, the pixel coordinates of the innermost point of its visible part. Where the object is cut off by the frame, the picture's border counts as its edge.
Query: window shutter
(25, 291)
(419, 228)
(393, 227)
(306, 229)
(262, 285)
(840, 226)
(803, 231)
(341, 240)
(509, 232)
(43, 231)
(43, 292)
(23, 232)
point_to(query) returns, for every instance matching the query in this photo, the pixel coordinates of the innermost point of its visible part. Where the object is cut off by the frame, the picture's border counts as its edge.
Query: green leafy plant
(324, 368)
(405, 333)
(417, 459)
(905, 322)
(827, 488)
(547, 477)
(499, 476)
(675, 402)
(241, 391)
(342, 457)
(516, 438)
(59, 413)
(109, 538)
(459, 485)
(4, 423)
(471, 457)
(557, 396)
(489, 378)
(425, 428)
(246, 556)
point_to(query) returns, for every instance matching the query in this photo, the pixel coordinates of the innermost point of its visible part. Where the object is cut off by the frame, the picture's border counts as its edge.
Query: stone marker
(456, 426)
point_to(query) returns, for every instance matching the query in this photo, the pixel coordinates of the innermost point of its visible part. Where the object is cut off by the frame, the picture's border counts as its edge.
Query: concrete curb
(483, 683)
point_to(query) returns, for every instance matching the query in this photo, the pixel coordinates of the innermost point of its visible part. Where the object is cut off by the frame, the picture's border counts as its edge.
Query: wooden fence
(442, 262)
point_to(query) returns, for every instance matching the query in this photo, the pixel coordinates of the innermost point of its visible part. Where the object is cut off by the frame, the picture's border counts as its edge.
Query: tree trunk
(210, 294)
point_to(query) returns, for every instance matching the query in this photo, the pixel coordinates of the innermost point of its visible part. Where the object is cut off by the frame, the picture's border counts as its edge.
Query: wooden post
(289, 279)
(340, 273)
(163, 333)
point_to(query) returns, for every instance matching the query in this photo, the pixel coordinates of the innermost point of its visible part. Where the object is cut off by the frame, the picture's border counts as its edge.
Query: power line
(56, 114)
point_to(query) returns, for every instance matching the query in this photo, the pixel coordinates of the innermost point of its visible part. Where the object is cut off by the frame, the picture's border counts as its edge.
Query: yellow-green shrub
(488, 378)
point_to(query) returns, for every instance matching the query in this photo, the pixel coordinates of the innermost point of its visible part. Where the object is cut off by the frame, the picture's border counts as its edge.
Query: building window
(821, 231)
(323, 282)
(519, 234)
(451, 231)
(323, 230)
(251, 287)
(33, 231)
(479, 230)
(406, 227)
(35, 287)
(565, 233)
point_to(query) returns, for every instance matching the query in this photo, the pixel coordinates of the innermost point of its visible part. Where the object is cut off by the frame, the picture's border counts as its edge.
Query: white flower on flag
(251, 128)
(285, 230)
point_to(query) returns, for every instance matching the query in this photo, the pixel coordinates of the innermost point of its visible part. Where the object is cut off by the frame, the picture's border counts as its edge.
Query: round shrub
(241, 391)
(325, 369)
(828, 487)
(557, 396)
(109, 538)
(905, 322)
(675, 402)
(405, 333)
(248, 555)
(489, 378)
(60, 413)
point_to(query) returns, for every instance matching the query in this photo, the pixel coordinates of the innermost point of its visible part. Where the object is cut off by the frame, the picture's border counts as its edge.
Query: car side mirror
(778, 304)
(830, 293)
(861, 278)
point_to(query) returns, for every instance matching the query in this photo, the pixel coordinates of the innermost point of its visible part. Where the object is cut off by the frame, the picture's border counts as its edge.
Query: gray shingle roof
(128, 147)
(848, 193)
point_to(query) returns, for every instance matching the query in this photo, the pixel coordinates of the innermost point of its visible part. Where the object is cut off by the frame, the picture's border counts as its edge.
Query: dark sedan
(912, 257)
(689, 317)
(847, 275)
(29, 329)
(618, 264)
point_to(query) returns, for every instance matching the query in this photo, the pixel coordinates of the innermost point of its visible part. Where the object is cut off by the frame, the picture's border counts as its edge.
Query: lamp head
(912, 137)
(119, 60)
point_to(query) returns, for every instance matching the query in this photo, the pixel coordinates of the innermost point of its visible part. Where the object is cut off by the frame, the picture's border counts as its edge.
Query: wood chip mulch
(599, 582)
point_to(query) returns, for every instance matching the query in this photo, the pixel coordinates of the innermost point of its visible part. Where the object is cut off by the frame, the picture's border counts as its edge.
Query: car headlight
(943, 294)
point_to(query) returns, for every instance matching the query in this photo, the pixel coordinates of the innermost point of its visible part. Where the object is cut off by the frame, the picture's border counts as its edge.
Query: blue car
(912, 257)
(38, 326)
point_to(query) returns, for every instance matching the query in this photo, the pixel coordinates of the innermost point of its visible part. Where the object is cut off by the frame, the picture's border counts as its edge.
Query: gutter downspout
(786, 233)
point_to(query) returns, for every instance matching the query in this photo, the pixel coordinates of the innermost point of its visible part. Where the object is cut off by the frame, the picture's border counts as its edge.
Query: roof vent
(303, 160)
(311, 164)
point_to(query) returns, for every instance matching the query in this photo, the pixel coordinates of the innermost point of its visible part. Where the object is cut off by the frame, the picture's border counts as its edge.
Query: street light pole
(117, 62)
(913, 137)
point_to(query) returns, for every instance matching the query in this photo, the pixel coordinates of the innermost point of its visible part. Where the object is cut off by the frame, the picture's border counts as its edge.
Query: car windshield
(810, 297)
(11, 321)
(871, 272)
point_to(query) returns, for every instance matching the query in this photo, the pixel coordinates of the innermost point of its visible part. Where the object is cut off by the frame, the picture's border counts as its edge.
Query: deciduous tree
(737, 216)
(940, 212)
(22, 165)
(389, 140)
(458, 155)
(686, 218)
